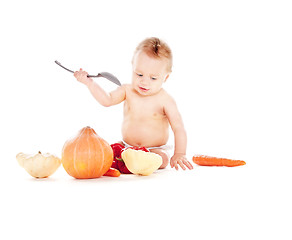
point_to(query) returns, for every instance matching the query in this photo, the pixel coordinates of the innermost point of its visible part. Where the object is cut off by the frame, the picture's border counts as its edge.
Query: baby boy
(148, 108)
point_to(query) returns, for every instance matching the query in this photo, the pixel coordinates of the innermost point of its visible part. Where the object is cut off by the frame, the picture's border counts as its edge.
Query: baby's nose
(144, 80)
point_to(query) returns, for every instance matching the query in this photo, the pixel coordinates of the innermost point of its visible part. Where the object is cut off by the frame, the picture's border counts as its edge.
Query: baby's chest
(144, 109)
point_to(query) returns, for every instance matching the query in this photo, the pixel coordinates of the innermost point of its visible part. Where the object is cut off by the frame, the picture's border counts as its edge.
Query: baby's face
(148, 74)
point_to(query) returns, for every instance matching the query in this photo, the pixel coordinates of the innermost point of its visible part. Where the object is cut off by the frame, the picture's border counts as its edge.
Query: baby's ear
(166, 77)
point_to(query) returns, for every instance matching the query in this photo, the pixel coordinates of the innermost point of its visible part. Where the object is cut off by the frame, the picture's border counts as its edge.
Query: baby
(148, 108)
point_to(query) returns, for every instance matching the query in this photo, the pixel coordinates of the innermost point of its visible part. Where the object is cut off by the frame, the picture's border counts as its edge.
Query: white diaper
(163, 147)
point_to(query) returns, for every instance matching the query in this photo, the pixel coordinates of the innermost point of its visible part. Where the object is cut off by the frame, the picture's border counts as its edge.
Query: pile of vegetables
(87, 155)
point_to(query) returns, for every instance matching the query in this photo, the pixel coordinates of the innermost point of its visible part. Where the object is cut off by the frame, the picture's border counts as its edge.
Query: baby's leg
(165, 156)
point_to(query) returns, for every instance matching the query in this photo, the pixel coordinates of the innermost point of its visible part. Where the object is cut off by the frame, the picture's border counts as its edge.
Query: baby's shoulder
(127, 87)
(165, 95)
(167, 99)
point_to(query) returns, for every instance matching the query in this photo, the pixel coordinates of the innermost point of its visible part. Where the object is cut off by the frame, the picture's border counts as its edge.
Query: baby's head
(152, 64)
(157, 49)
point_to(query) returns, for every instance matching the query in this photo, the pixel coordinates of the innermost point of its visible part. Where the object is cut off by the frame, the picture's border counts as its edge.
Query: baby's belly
(147, 134)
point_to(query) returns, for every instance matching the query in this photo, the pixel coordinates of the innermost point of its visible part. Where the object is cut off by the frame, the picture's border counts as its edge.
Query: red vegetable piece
(117, 149)
(122, 167)
(140, 148)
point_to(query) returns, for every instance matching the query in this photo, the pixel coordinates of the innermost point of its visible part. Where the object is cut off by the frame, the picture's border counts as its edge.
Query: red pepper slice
(139, 148)
(117, 149)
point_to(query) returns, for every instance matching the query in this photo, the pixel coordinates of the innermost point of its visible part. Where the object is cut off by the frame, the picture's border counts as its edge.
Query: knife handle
(99, 75)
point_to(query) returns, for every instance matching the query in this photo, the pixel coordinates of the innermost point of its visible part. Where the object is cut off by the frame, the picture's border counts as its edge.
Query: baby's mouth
(143, 89)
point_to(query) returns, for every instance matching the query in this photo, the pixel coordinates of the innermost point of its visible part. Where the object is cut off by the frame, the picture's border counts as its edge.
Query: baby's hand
(181, 160)
(81, 76)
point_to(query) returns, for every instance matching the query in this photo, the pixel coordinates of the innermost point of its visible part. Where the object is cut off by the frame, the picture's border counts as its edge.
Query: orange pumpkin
(87, 155)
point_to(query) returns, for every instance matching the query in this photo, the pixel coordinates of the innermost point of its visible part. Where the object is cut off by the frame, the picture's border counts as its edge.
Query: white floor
(248, 202)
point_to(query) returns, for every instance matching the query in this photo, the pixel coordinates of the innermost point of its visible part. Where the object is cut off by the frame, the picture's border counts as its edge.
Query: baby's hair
(157, 48)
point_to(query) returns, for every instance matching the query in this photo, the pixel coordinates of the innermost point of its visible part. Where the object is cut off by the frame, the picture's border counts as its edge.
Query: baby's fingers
(174, 164)
(181, 165)
(77, 72)
(188, 164)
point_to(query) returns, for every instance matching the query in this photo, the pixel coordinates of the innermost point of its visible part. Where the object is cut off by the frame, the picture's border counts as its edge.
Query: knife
(106, 75)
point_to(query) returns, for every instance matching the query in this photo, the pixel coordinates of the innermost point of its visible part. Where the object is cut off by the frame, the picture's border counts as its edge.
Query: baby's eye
(153, 78)
(140, 75)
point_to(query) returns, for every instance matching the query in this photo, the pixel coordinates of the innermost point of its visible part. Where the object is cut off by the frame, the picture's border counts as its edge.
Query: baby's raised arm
(104, 98)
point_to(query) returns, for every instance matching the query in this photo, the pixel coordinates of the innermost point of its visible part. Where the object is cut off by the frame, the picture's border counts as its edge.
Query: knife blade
(106, 75)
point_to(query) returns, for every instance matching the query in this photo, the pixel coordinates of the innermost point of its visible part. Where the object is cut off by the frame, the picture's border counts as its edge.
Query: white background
(231, 80)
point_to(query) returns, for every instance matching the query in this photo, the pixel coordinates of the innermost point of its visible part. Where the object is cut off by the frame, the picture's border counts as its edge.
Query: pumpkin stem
(39, 152)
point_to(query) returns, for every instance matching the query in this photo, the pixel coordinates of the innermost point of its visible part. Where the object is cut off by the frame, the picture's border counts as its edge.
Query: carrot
(112, 172)
(204, 160)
